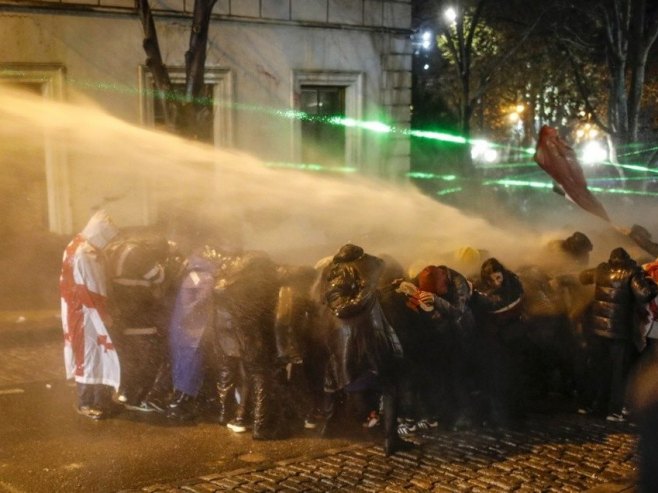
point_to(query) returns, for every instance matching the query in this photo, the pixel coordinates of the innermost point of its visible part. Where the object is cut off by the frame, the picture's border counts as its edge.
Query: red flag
(559, 160)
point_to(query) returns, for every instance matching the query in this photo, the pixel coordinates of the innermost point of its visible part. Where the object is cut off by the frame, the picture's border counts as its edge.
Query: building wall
(262, 46)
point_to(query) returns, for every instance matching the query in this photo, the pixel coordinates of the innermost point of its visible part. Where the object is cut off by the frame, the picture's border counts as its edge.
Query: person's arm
(642, 238)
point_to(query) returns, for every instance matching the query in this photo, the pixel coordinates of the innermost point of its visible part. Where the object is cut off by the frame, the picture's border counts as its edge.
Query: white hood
(100, 229)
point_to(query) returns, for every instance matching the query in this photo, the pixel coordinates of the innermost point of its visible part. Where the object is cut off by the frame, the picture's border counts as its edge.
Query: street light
(426, 38)
(515, 115)
(450, 14)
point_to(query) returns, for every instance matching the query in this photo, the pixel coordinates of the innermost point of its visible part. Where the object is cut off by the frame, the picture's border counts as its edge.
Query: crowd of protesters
(153, 327)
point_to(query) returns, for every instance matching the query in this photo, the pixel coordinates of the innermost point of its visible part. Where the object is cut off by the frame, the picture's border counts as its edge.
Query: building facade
(266, 60)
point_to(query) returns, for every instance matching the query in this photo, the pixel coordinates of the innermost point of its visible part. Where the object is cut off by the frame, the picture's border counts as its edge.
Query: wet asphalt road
(45, 446)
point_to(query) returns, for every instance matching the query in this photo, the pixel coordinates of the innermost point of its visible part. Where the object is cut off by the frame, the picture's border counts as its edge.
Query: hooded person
(190, 329)
(90, 357)
(364, 350)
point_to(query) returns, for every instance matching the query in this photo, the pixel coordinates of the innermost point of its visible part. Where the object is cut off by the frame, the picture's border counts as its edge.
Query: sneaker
(237, 425)
(90, 412)
(616, 418)
(407, 427)
(427, 424)
(142, 407)
(372, 420)
(156, 404)
(312, 420)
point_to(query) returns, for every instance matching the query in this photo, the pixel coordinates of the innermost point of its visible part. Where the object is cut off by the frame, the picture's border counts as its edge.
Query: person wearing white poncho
(90, 357)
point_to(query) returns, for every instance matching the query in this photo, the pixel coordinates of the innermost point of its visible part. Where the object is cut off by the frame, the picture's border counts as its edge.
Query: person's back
(619, 284)
(620, 287)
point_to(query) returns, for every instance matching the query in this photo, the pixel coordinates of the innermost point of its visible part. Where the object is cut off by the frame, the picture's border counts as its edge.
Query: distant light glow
(426, 66)
(593, 152)
(427, 40)
(483, 151)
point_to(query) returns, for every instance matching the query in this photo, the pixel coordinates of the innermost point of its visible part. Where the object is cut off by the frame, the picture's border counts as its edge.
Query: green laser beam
(311, 167)
(373, 126)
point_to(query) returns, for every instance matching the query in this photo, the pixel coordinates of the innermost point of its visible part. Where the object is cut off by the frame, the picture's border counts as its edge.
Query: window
(218, 89)
(322, 94)
(323, 142)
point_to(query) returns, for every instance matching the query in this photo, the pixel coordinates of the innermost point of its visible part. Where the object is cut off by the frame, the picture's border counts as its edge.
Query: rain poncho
(89, 354)
(191, 323)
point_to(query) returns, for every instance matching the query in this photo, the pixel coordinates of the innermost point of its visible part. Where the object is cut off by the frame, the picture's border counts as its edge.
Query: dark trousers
(611, 360)
(141, 357)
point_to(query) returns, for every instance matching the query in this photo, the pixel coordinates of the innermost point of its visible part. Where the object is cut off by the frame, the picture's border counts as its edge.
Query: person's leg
(618, 359)
(226, 380)
(103, 400)
(264, 410)
(392, 442)
(85, 395)
(161, 388)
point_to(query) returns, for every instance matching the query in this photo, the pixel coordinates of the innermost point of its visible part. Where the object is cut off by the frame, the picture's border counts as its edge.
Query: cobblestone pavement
(558, 453)
(562, 452)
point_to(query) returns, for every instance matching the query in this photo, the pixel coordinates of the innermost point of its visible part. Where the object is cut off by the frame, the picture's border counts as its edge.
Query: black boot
(329, 414)
(392, 442)
(264, 428)
(157, 398)
(225, 393)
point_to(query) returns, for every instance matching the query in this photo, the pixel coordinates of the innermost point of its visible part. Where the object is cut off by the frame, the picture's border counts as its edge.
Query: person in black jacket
(431, 316)
(364, 350)
(497, 303)
(137, 270)
(620, 286)
(248, 295)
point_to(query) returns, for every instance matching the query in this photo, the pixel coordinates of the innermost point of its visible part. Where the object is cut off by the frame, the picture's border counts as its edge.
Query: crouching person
(249, 295)
(190, 332)
(137, 270)
(364, 350)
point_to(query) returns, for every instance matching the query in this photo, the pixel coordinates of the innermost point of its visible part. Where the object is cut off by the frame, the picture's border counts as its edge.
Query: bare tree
(184, 112)
(628, 30)
(476, 48)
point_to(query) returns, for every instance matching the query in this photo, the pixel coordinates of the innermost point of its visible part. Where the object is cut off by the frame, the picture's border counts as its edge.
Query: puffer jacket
(620, 287)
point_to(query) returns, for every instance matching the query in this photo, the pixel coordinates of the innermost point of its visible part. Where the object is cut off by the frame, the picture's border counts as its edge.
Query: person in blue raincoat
(190, 330)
